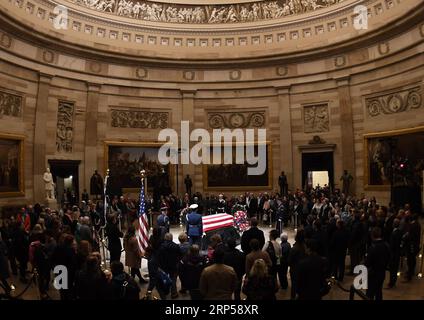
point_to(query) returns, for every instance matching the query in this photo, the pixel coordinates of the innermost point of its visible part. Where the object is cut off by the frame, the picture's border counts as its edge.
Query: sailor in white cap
(194, 225)
(222, 204)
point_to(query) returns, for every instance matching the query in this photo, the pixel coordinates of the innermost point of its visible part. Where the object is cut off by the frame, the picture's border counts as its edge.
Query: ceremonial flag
(143, 224)
(216, 221)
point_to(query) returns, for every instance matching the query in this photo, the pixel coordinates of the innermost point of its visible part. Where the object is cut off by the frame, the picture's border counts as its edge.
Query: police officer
(194, 225)
(163, 222)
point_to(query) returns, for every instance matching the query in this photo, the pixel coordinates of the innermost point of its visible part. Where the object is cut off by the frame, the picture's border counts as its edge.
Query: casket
(222, 224)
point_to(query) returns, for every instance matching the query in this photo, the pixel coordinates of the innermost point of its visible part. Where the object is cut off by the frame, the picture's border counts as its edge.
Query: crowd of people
(329, 227)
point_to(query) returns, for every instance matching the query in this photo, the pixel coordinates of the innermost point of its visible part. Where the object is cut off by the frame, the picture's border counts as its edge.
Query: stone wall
(324, 95)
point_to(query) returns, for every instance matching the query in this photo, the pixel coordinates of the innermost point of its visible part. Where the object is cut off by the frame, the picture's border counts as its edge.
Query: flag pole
(102, 235)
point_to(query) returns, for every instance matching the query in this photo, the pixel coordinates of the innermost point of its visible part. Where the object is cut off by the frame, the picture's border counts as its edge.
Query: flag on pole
(143, 224)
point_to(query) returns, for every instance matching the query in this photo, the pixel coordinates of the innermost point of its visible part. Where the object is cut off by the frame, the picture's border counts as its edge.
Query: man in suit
(194, 226)
(311, 274)
(235, 258)
(252, 233)
(251, 205)
(395, 242)
(376, 261)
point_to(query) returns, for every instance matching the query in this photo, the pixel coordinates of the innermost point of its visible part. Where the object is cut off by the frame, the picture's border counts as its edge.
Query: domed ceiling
(205, 12)
(212, 31)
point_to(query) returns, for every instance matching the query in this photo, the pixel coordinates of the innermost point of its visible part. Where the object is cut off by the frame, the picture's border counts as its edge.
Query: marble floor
(413, 290)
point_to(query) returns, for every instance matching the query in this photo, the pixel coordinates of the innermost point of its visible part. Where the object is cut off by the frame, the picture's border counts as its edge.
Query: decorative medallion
(235, 74)
(234, 120)
(5, 40)
(383, 48)
(48, 56)
(188, 75)
(141, 72)
(282, 71)
(340, 61)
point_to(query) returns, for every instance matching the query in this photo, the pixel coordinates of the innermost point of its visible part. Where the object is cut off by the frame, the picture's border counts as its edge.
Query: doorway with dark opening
(66, 177)
(317, 168)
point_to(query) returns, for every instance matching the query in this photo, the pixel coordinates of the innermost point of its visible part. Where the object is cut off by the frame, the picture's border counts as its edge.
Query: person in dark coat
(355, 241)
(285, 254)
(114, 236)
(412, 245)
(21, 249)
(190, 270)
(153, 267)
(376, 261)
(91, 282)
(338, 248)
(236, 259)
(311, 273)
(4, 268)
(395, 242)
(65, 255)
(252, 233)
(259, 284)
(7, 233)
(123, 286)
(169, 256)
(251, 205)
(297, 253)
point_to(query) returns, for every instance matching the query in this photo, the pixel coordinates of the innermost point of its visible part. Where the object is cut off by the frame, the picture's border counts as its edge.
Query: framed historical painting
(11, 165)
(234, 176)
(125, 160)
(393, 158)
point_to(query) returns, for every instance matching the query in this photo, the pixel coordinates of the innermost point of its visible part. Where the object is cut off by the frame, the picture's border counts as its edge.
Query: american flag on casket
(222, 224)
(217, 221)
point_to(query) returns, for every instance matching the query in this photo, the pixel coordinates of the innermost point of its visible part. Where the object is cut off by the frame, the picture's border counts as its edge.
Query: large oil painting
(394, 157)
(126, 160)
(234, 176)
(11, 165)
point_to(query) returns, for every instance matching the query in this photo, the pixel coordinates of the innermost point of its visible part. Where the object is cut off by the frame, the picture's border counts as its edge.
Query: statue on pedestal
(96, 185)
(346, 179)
(49, 184)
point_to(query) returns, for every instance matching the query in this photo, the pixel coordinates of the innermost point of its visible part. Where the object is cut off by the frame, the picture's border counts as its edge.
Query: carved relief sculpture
(64, 130)
(316, 118)
(394, 102)
(232, 120)
(10, 104)
(139, 119)
(175, 13)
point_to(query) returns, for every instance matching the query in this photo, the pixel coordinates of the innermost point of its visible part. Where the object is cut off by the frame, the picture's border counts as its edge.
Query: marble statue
(49, 184)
